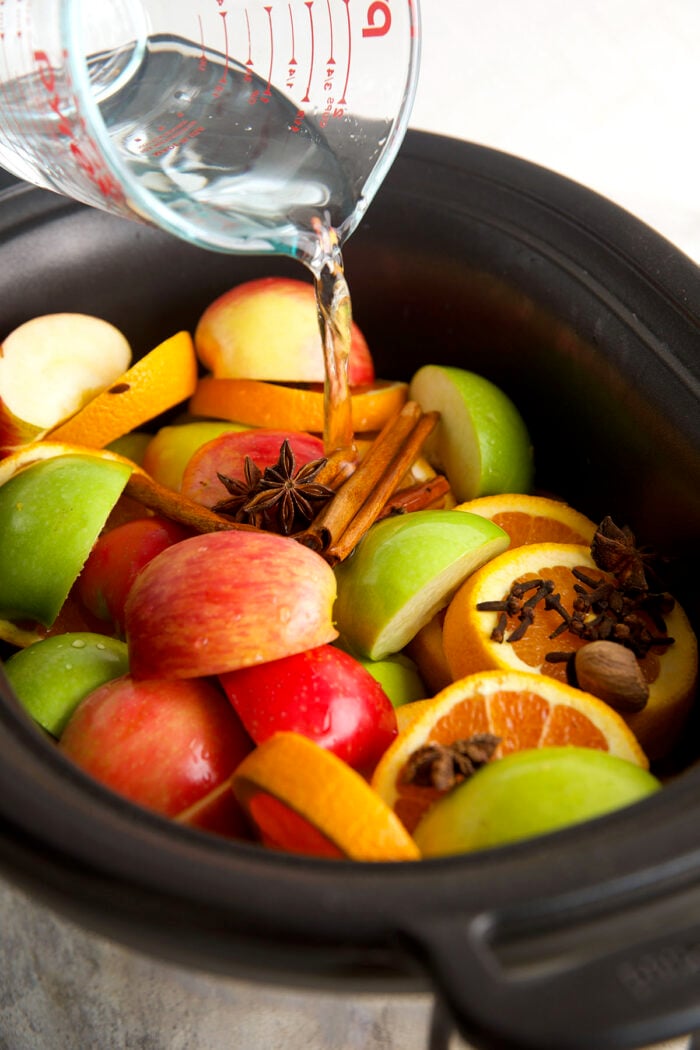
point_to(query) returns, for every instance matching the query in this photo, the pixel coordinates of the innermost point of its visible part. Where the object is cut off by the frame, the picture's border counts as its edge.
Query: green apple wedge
(51, 513)
(397, 675)
(481, 442)
(404, 570)
(529, 793)
(51, 677)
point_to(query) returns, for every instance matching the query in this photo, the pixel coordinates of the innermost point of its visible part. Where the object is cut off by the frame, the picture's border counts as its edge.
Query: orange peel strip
(159, 381)
(258, 403)
(315, 785)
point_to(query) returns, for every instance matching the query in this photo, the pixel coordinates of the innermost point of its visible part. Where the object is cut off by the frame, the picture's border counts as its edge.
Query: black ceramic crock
(591, 321)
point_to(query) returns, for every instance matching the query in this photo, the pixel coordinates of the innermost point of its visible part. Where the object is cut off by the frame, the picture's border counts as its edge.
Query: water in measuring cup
(229, 161)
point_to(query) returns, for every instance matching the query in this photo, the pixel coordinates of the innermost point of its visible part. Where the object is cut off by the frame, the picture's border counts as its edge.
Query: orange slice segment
(304, 799)
(533, 519)
(159, 381)
(524, 710)
(262, 404)
(468, 645)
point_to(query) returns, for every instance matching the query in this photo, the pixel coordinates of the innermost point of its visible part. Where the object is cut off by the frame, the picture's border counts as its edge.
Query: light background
(606, 92)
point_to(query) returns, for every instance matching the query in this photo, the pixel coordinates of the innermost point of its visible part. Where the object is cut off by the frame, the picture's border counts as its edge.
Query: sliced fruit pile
(419, 658)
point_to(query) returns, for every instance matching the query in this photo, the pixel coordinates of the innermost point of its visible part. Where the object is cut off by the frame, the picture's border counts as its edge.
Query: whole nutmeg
(612, 673)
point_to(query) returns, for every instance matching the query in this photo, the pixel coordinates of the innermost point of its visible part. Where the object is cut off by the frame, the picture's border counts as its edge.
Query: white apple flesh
(50, 367)
(225, 600)
(481, 442)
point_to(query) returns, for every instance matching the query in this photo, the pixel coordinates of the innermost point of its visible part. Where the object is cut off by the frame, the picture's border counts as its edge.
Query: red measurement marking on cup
(249, 61)
(292, 64)
(267, 93)
(168, 139)
(378, 19)
(309, 5)
(331, 60)
(343, 101)
(83, 150)
(293, 59)
(203, 58)
(335, 107)
(223, 79)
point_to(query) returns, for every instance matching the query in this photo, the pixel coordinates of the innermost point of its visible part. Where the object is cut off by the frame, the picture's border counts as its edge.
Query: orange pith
(160, 380)
(533, 519)
(305, 799)
(259, 403)
(524, 710)
(671, 671)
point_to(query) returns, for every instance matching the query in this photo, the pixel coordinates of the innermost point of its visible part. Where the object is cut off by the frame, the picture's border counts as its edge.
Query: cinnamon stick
(176, 507)
(424, 496)
(385, 487)
(359, 501)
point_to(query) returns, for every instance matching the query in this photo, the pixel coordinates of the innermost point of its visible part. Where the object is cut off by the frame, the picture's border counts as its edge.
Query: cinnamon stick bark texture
(360, 500)
(173, 505)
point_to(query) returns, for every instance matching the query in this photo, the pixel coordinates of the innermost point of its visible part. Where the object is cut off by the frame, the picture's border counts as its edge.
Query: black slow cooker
(588, 938)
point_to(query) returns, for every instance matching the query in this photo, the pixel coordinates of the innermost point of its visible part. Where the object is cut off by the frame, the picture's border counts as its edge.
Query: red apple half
(163, 744)
(227, 454)
(324, 694)
(225, 600)
(268, 329)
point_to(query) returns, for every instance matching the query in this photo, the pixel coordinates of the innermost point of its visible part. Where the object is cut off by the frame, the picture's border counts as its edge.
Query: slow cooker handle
(589, 984)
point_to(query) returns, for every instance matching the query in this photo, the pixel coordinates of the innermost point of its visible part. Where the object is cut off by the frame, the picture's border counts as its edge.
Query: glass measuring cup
(237, 125)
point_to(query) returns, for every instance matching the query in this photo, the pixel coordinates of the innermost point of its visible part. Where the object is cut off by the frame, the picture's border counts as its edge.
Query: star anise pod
(443, 766)
(614, 550)
(240, 493)
(294, 494)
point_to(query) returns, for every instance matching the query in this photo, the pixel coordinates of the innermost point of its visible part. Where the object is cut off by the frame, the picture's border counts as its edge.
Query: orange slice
(304, 799)
(261, 404)
(670, 671)
(160, 380)
(524, 710)
(533, 519)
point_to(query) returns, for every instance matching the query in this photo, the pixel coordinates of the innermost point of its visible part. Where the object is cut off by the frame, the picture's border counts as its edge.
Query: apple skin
(530, 793)
(51, 677)
(51, 513)
(481, 442)
(76, 355)
(268, 329)
(399, 678)
(403, 571)
(323, 694)
(225, 600)
(171, 448)
(117, 558)
(164, 744)
(218, 812)
(227, 453)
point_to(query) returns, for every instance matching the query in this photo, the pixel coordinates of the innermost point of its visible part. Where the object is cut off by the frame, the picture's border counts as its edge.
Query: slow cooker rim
(387, 892)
